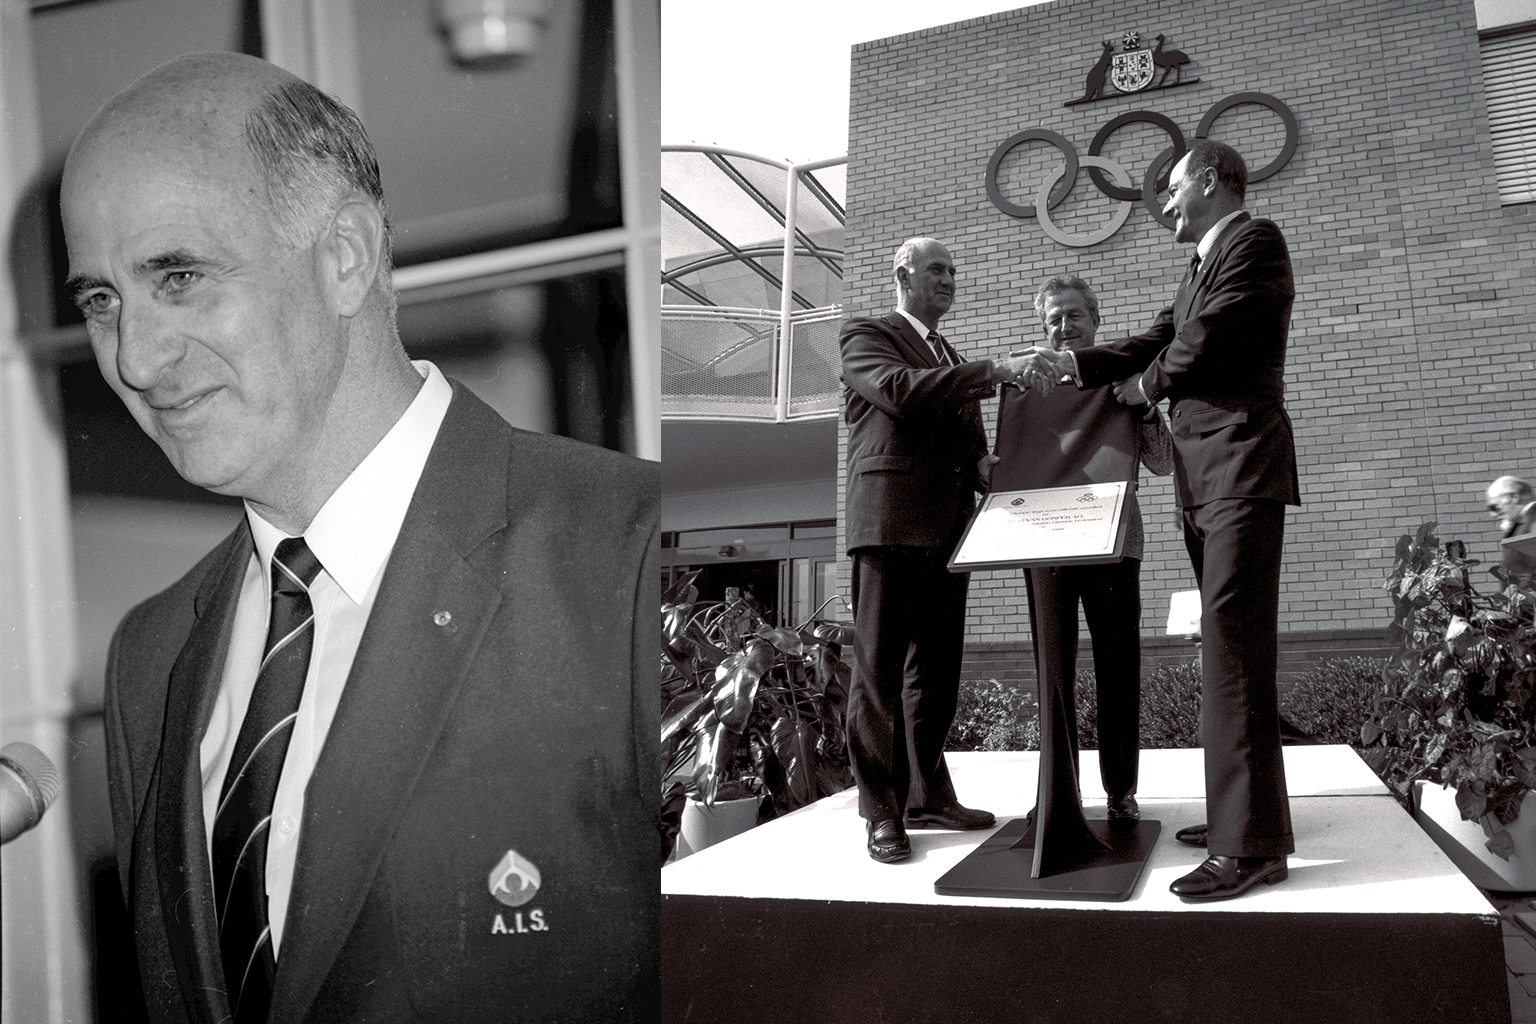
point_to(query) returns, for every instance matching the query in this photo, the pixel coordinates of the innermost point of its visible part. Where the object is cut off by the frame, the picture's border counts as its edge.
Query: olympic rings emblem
(1120, 185)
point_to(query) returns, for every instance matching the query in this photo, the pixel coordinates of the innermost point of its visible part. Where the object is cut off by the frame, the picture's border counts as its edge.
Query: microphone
(29, 784)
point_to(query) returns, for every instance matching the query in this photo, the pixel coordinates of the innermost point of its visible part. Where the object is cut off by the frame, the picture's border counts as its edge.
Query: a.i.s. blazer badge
(514, 880)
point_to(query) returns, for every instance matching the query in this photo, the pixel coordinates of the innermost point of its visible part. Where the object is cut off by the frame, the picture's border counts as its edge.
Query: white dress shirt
(1208, 240)
(923, 330)
(352, 536)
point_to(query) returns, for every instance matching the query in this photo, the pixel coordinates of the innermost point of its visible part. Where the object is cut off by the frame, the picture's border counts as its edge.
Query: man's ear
(352, 253)
(904, 279)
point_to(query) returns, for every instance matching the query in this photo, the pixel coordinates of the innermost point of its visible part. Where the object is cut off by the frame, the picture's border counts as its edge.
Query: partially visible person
(1513, 502)
(915, 450)
(388, 752)
(1110, 593)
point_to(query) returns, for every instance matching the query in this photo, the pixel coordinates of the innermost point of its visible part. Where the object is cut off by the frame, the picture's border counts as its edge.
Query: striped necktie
(245, 802)
(940, 351)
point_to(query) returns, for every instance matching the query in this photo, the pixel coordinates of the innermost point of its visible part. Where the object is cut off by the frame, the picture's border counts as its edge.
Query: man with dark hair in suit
(916, 454)
(387, 753)
(1218, 354)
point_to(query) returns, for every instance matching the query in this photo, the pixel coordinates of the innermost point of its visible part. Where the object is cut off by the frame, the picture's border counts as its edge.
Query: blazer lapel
(179, 849)
(1196, 290)
(917, 349)
(431, 614)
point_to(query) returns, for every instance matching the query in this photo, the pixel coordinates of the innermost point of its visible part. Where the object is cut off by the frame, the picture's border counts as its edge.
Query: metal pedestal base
(1001, 866)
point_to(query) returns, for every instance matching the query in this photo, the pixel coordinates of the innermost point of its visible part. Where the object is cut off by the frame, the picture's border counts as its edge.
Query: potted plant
(748, 709)
(1457, 705)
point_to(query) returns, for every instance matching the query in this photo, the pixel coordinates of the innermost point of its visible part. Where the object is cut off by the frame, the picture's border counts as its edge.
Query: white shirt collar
(355, 530)
(917, 325)
(1208, 242)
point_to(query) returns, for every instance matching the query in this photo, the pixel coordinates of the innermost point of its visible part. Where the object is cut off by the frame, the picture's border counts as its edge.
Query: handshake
(1038, 368)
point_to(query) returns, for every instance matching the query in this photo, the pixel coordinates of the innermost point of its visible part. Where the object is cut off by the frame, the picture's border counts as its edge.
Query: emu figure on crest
(1169, 60)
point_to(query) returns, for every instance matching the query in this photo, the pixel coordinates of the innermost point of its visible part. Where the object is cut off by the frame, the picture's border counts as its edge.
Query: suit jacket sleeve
(1247, 293)
(878, 372)
(1106, 364)
(1246, 297)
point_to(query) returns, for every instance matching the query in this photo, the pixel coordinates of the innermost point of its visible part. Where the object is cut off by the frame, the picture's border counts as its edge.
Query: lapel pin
(514, 880)
(444, 619)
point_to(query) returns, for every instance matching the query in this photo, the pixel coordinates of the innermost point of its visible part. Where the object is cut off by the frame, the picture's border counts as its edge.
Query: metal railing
(719, 363)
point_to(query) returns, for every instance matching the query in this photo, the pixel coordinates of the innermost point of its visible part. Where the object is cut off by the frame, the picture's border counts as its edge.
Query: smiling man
(1060, 434)
(915, 449)
(424, 664)
(1217, 353)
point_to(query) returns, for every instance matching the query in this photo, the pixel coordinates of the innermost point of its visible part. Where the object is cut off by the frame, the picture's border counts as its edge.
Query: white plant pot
(1465, 841)
(705, 826)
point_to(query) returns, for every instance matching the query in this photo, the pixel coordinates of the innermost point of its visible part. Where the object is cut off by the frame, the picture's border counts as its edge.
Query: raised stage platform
(793, 921)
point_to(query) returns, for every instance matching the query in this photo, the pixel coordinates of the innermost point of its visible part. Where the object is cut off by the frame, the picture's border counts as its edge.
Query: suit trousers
(909, 634)
(1235, 544)
(1111, 600)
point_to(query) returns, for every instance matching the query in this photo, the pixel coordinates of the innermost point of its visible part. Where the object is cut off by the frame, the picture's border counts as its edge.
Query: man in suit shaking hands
(916, 451)
(387, 753)
(1218, 354)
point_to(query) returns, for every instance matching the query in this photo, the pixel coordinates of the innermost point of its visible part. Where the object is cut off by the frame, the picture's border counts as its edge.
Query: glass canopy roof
(723, 219)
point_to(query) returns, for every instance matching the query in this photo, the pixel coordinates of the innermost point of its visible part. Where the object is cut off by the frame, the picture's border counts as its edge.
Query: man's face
(213, 332)
(930, 282)
(1505, 503)
(1188, 204)
(1068, 322)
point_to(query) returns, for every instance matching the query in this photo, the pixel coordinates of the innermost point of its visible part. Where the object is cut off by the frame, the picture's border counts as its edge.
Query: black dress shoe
(1123, 808)
(888, 841)
(1221, 878)
(953, 816)
(1194, 835)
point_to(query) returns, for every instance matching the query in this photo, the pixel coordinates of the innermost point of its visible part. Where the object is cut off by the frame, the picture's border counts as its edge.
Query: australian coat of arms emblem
(1133, 69)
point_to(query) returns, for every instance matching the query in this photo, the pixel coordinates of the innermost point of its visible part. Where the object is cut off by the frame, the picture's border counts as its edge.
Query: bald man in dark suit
(916, 447)
(1218, 354)
(388, 752)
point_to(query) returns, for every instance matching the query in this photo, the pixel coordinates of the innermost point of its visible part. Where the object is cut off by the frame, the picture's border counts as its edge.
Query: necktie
(939, 351)
(1186, 289)
(245, 803)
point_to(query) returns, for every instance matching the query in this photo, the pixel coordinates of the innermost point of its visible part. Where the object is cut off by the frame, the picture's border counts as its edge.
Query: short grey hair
(1512, 485)
(907, 252)
(1066, 283)
(1230, 169)
(312, 151)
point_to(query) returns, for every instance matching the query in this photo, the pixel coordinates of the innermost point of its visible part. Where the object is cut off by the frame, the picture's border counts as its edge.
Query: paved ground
(1520, 955)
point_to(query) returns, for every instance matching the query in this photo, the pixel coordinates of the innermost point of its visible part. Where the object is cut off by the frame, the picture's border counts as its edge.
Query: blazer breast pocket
(1190, 420)
(884, 464)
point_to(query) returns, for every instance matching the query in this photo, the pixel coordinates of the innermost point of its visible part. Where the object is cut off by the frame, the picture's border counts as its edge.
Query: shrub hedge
(1330, 702)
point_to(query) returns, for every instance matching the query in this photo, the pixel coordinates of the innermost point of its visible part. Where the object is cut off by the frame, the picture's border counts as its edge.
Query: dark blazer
(1218, 354)
(502, 698)
(914, 436)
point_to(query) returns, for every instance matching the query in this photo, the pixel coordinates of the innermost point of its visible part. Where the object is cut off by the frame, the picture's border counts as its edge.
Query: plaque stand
(1054, 852)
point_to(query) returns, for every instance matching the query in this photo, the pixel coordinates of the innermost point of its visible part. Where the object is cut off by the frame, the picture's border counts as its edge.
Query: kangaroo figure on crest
(1097, 75)
(1169, 60)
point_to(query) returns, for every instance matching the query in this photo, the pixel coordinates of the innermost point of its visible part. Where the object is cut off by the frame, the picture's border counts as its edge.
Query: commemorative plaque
(1067, 464)
(1078, 525)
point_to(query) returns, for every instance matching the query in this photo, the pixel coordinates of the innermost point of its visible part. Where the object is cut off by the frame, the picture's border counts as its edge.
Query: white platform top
(1357, 850)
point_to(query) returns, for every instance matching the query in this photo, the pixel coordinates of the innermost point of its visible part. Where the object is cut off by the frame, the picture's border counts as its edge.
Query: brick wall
(1410, 374)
